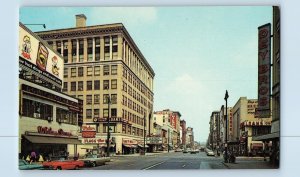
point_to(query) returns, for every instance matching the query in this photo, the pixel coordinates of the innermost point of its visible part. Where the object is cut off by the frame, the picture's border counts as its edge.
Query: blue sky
(196, 52)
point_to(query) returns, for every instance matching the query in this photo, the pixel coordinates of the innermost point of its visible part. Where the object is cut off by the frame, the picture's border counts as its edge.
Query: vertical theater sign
(264, 71)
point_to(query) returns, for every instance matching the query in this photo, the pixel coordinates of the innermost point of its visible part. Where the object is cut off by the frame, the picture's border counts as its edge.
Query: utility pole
(168, 140)
(144, 153)
(226, 145)
(108, 126)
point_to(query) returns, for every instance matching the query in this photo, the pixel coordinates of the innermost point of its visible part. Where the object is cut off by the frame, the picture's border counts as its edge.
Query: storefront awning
(105, 145)
(141, 145)
(266, 137)
(130, 145)
(51, 140)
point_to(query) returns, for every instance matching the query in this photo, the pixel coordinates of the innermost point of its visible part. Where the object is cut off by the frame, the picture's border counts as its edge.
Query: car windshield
(91, 156)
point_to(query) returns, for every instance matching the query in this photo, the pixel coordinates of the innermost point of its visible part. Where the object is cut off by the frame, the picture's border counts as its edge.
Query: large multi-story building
(105, 68)
(49, 120)
(183, 135)
(223, 126)
(170, 123)
(215, 140)
(189, 137)
(246, 126)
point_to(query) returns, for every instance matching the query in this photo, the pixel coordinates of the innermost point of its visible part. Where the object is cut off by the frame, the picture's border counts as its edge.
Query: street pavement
(163, 161)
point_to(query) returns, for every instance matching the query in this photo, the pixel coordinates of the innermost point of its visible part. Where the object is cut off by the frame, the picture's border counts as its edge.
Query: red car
(63, 164)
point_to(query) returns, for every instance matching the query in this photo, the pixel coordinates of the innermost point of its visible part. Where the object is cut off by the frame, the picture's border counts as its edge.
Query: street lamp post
(226, 153)
(168, 140)
(108, 126)
(144, 153)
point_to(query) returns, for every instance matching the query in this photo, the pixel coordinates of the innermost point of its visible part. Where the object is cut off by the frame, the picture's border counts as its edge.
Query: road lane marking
(154, 165)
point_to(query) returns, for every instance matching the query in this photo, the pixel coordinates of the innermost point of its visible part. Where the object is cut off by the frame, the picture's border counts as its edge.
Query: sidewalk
(250, 163)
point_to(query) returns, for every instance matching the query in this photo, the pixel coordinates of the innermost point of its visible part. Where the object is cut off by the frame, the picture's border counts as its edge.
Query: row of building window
(89, 113)
(132, 117)
(139, 86)
(89, 99)
(62, 47)
(132, 130)
(126, 129)
(79, 86)
(133, 105)
(134, 94)
(133, 61)
(35, 109)
(78, 72)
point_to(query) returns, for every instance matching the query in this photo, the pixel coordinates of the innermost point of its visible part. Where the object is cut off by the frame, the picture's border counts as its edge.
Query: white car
(178, 150)
(210, 153)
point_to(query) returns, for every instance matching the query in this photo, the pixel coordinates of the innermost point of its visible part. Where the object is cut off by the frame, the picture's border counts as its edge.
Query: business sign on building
(264, 71)
(129, 141)
(173, 120)
(251, 106)
(36, 56)
(153, 140)
(88, 131)
(97, 140)
(50, 131)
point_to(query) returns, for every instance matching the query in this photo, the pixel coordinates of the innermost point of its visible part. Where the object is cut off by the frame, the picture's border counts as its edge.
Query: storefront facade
(48, 119)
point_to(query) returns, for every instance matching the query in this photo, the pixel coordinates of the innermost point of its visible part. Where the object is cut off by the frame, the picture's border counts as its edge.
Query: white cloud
(184, 85)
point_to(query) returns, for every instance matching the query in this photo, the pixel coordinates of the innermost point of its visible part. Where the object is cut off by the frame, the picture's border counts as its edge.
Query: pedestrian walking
(41, 159)
(28, 158)
(32, 156)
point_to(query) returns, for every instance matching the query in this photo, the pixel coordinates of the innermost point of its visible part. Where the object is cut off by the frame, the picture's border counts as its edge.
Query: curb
(227, 166)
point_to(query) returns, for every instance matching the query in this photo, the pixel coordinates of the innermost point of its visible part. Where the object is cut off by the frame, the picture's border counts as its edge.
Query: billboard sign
(153, 140)
(36, 55)
(264, 71)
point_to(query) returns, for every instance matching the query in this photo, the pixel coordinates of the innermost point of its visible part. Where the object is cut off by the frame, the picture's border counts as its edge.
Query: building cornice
(78, 32)
(93, 31)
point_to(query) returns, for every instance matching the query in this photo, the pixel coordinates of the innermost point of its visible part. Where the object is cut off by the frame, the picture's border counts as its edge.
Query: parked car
(210, 153)
(178, 150)
(193, 151)
(202, 149)
(62, 164)
(24, 165)
(93, 160)
(185, 151)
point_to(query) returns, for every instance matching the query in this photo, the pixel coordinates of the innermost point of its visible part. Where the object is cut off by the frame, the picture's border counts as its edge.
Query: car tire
(76, 167)
(94, 164)
(58, 168)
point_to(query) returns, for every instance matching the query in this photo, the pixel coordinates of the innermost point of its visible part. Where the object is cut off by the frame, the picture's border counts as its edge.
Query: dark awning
(266, 137)
(51, 140)
(105, 145)
(141, 145)
(130, 145)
